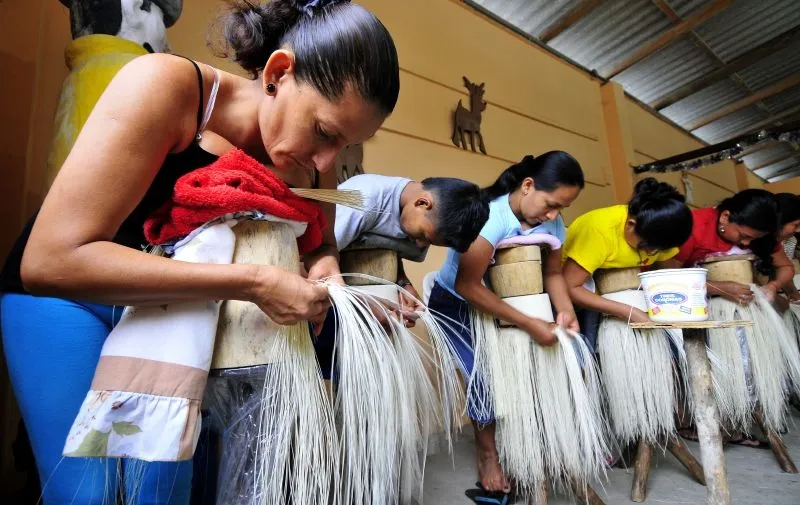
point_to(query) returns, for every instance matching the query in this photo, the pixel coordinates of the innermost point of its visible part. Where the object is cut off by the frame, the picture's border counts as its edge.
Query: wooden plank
(641, 471)
(706, 417)
(735, 65)
(776, 444)
(778, 87)
(668, 36)
(572, 17)
(678, 448)
(696, 325)
(585, 494)
(668, 11)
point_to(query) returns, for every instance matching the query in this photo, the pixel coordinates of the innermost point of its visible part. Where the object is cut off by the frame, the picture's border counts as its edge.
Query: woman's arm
(784, 276)
(324, 261)
(123, 144)
(471, 269)
(575, 277)
(556, 288)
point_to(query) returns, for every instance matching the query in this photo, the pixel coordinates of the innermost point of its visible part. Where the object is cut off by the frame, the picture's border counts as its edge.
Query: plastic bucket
(676, 295)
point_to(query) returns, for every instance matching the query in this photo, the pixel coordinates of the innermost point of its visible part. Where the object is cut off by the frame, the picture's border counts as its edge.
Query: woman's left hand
(568, 320)
(770, 291)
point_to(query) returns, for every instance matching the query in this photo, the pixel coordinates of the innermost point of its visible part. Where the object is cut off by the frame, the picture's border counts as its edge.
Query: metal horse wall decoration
(469, 121)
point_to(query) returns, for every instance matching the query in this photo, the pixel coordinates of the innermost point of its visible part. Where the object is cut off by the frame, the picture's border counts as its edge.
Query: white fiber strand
(730, 376)
(547, 404)
(394, 391)
(296, 453)
(638, 376)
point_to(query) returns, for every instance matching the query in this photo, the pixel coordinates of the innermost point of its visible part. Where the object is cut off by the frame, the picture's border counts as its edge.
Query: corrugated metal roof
(706, 101)
(777, 151)
(783, 101)
(731, 124)
(746, 24)
(773, 68)
(610, 33)
(532, 16)
(666, 70)
(686, 8)
(788, 175)
(776, 168)
(616, 29)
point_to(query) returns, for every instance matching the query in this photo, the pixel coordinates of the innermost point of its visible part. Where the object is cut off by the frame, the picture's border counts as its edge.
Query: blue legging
(52, 347)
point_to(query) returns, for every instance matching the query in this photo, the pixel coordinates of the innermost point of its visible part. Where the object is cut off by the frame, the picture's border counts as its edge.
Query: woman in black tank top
(324, 75)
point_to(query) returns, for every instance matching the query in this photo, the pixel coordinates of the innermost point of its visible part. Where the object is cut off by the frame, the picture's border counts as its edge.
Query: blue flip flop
(484, 497)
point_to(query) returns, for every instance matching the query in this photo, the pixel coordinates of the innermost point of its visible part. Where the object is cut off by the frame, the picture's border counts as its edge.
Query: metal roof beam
(668, 36)
(576, 14)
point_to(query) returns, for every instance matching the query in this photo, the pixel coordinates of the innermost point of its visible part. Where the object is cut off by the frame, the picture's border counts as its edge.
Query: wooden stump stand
(706, 414)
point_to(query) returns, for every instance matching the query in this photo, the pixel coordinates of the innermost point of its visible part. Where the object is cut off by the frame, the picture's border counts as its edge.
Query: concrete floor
(753, 474)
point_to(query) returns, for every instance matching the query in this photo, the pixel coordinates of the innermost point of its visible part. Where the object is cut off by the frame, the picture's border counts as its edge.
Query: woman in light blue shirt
(526, 198)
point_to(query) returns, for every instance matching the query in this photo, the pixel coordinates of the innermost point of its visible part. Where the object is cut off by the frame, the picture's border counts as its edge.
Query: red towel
(234, 183)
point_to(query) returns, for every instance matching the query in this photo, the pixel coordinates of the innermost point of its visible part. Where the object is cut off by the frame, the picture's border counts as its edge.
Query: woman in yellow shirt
(647, 230)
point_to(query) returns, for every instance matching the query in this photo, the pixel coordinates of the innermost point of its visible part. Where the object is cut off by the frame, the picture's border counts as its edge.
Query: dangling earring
(271, 88)
(722, 229)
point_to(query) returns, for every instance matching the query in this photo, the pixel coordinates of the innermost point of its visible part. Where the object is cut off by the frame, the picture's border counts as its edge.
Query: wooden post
(641, 471)
(618, 137)
(585, 494)
(776, 443)
(706, 417)
(678, 448)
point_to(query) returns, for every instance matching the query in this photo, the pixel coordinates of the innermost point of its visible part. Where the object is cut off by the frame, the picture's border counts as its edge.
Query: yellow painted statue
(106, 34)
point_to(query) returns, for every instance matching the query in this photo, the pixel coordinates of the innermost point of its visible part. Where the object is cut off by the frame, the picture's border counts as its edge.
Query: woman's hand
(794, 297)
(735, 292)
(409, 305)
(288, 298)
(540, 331)
(568, 320)
(770, 291)
(324, 264)
(638, 316)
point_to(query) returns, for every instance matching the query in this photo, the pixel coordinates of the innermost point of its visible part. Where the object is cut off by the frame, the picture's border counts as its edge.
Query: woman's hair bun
(254, 31)
(650, 189)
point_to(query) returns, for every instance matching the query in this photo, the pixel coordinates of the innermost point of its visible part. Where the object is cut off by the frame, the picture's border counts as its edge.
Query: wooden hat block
(517, 271)
(516, 277)
(244, 331)
(617, 279)
(737, 268)
(380, 263)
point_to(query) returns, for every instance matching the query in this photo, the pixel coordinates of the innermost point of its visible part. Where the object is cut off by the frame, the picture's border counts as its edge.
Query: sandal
(484, 497)
(752, 442)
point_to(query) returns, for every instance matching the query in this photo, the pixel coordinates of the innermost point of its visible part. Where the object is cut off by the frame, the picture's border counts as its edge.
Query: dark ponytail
(789, 208)
(335, 43)
(756, 209)
(663, 220)
(549, 171)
